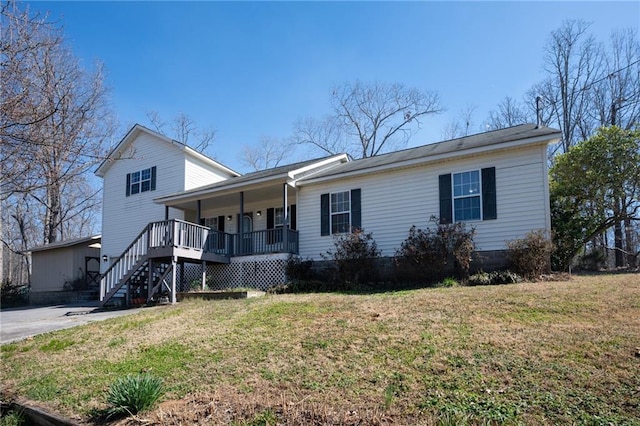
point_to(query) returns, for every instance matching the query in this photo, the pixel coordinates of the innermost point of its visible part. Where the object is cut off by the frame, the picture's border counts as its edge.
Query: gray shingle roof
(487, 139)
(276, 172)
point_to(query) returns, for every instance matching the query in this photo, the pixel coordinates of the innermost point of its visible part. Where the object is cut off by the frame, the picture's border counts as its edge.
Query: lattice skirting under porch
(259, 272)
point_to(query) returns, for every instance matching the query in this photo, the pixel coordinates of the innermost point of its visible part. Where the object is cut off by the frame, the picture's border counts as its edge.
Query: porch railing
(178, 233)
(266, 241)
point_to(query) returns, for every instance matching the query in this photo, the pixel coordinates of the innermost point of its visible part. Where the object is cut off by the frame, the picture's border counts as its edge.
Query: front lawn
(543, 353)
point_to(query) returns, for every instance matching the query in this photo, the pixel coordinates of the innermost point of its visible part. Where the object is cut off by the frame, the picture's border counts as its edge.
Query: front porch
(160, 260)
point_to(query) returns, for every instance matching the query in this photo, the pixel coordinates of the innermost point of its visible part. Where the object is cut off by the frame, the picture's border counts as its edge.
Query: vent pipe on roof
(538, 111)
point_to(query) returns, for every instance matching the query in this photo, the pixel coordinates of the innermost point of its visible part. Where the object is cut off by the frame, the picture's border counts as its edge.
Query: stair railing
(118, 269)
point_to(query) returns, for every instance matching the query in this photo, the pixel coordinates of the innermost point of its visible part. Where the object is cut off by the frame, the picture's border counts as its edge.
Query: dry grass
(545, 353)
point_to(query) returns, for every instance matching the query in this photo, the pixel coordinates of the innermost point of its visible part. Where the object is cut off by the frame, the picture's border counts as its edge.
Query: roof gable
(136, 131)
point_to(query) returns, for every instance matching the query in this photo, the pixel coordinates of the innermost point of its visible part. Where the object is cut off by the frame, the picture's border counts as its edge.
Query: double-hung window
(340, 212)
(141, 181)
(467, 196)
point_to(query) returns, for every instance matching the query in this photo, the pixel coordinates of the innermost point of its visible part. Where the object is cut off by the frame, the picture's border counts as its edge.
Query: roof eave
(536, 140)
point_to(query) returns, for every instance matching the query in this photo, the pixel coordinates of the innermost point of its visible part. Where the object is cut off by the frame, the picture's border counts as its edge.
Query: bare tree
(369, 118)
(54, 121)
(269, 153)
(510, 113)
(23, 40)
(324, 135)
(573, 61)
(461, 126)
(616, 97)
(184, 129)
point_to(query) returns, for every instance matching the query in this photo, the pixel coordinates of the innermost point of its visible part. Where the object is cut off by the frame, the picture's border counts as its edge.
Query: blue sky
(251, 69)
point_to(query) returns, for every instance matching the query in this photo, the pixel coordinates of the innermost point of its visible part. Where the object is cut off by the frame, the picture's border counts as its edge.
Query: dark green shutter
(293, 221)
(324, 214)
(446, 201)
(356, 211)
(271, 218)
(221, 223)
(153, 178)
(489, 205)
(128, 190)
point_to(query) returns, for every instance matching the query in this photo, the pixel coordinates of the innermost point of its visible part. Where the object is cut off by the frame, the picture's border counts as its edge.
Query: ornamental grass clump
(133, 394)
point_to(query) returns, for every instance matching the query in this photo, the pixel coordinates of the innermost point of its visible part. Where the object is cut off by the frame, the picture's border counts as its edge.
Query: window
(211, 222)
(278, 219)
(466, 196)
(135, 183)
(340, 212)
(142, 181)
(145, 180)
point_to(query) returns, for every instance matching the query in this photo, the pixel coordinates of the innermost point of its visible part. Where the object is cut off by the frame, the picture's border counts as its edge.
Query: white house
(146, 165)
(241, 229)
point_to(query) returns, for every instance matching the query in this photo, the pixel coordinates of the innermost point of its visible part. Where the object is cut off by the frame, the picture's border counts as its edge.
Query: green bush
(297, 269)
(449, 282)
(355, 257)
(425, 254)
(530, 256)
(492, 278)
(12, 295)
(133, 394)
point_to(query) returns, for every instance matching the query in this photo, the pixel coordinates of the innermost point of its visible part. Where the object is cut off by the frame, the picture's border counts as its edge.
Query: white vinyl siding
(123, 218)
(197, 173)
(398, 199)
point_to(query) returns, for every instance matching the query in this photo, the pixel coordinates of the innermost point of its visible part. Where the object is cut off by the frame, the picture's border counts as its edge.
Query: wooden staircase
(146, 269)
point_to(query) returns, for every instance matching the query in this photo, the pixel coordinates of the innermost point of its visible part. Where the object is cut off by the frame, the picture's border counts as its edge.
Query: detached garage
(67, 271)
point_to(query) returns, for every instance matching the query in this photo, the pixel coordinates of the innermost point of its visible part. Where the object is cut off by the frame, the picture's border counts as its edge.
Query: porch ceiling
(232, 199)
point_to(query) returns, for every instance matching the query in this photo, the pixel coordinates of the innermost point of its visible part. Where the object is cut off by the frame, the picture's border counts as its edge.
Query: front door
(247, 233)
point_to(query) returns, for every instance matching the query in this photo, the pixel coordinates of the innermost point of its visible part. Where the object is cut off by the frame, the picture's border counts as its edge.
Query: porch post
(240, 223)
(199, 213)
(150, 279)
(166, 212)
(285, 227)
(204, 274)
(174, 296)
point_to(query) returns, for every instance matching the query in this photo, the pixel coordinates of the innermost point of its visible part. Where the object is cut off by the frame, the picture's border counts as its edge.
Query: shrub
(449, 282)
(530, 256)
(12, 295)
(593, 260)
(505, 277)
(496, 277)
(133, 394)
(425, 254)
(354, 255)
(480, 278)
(297, 269)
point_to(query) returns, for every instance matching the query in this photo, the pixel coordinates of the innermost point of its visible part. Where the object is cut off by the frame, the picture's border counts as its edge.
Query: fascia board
(449, 156)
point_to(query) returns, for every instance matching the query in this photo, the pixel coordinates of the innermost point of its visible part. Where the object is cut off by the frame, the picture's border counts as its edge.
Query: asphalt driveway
(20, 323)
